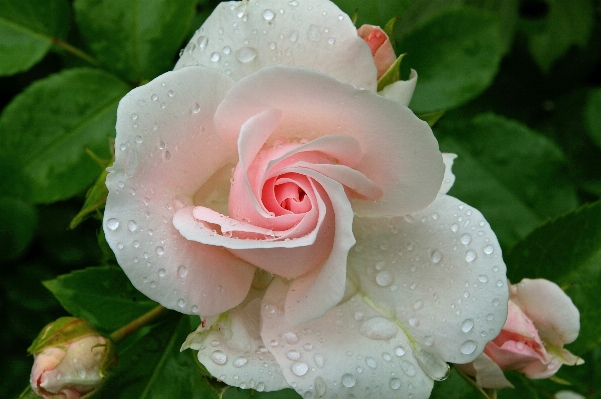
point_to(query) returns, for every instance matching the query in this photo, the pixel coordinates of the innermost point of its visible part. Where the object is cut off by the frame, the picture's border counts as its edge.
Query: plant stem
(128, 329)
(75, 51)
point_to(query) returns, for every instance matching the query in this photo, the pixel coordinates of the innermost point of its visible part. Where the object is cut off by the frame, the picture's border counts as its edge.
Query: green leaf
(237, 393)
(432, 117)
(568, 23)
(456, 53)
(136, 39)
(18, 222)
(567, 251)
(154, 367)
(374, 12)
(28, 394)
(454, 387)
(102, 295)
(47, 128)
(95, 200)
(27, 31)
(592, 115)
(510, 173)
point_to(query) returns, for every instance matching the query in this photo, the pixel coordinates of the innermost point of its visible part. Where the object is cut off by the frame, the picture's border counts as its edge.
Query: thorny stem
(75, 51)
(128, 329)
(487, 394)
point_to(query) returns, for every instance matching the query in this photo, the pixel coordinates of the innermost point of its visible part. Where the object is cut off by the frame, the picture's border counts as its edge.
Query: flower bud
(541, 318)
(380, 46)
(70, 359)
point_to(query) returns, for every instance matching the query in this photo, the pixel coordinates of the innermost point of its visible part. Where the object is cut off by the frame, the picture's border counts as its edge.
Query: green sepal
(393, 74)
(28, 393)
(389, 30)
(95, 200)
(109, 361)
(432, 117)
(60, 332)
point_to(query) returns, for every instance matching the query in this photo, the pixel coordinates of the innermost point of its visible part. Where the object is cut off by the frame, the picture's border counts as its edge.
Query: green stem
(128, 329)
(75, 51)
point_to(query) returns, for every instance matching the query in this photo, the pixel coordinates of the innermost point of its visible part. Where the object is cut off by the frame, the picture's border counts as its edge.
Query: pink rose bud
(541, 319)
(70, 359)
(381, 48)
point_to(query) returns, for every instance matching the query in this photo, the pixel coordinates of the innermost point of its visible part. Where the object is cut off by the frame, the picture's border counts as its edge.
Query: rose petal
(334, 355)
(233, 351)
(401, 155)
(380, 46)
(161, 162)
(449, 178)
(401, 90)
(489, 375)
(314, 34)
(552, 311)
(439, 272)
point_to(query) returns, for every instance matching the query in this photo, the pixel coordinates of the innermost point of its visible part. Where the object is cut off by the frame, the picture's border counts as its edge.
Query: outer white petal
(233, 351)
(166, 149)
(352, 350)
(241, 37)
(439, 272)
(401, 90)
(400, 153)
(449, 178)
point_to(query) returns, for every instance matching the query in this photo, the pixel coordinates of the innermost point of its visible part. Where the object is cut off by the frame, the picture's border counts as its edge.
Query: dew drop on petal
(466, 238)
(202, 41)
(181, 303)
(112, 224)
(240, 361)
(384, 278)
(320, 386)
(470, 256)
(319, 360)
(132, 226)
(160, 251)
(299, 368)
(162, 272)
(219, 358)
(293, 36)
(182, 271)
(468, 347)
(313, 34)
(467, 325)
(432, 364)
(408, 368)
(488, 249)
(268, 14)
(246, 54)
(378, 328)
(293, 354)
(399, 351)
(482, 278)
(435, 256)
(349, 380)
(195, 108)
(290, 338)
(215, 57)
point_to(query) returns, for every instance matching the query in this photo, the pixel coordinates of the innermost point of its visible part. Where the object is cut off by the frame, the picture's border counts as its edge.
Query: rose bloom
(69, 370)
(264, 177)
(541, 319)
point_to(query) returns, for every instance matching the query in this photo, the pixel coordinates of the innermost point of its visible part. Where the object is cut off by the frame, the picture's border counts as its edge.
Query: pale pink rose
(69, 370)
(380, 46)
(541, 319)
(244, 177)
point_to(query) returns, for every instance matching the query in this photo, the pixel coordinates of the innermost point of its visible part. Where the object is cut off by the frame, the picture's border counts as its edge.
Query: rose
(380, 46)
(317, 162)
(70, 359)
(541, 319)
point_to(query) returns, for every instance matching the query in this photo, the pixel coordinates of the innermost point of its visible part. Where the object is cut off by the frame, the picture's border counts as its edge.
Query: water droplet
(160, 251)
(468, 347)
(268, 14)
(181, 303)
(413, 321)
(273, 343)
(435, 256)
(112, 224)
(470, 256)
(395, 383)
(195, 108)
(418, 304)
(272, 45)
(319, 360)
(482, 278)
(227, 50)
(433, 365)
(154, 97)
(495, 302)
(290, 338)
(194, 309)
(499, 283)
(134, 117)
(299, 368)
(313, 34)
(467, 325)
(202, 41)
(488, 249)
(384, 278)
(320, 386)
(399, 351)
(408, 368)
(246, 54)
(349, 380)
(378, 328)
(136, 244)
(308, 346)
(132, 226)
(240, 361)
(359, 315)
(170, 93)
(215, 57)
(454, 227)
(293, 36)
(293, 354)
(162, 272)
(219, 358)
(466, 238)
(138, 139)
(182, 271)
(331, 40)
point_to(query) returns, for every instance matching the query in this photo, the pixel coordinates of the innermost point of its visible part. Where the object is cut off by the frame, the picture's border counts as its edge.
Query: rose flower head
(266, 186)
(70, 359)
(541, 320)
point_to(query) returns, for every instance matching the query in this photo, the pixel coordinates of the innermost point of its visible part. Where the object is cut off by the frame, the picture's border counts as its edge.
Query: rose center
(292, 197)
